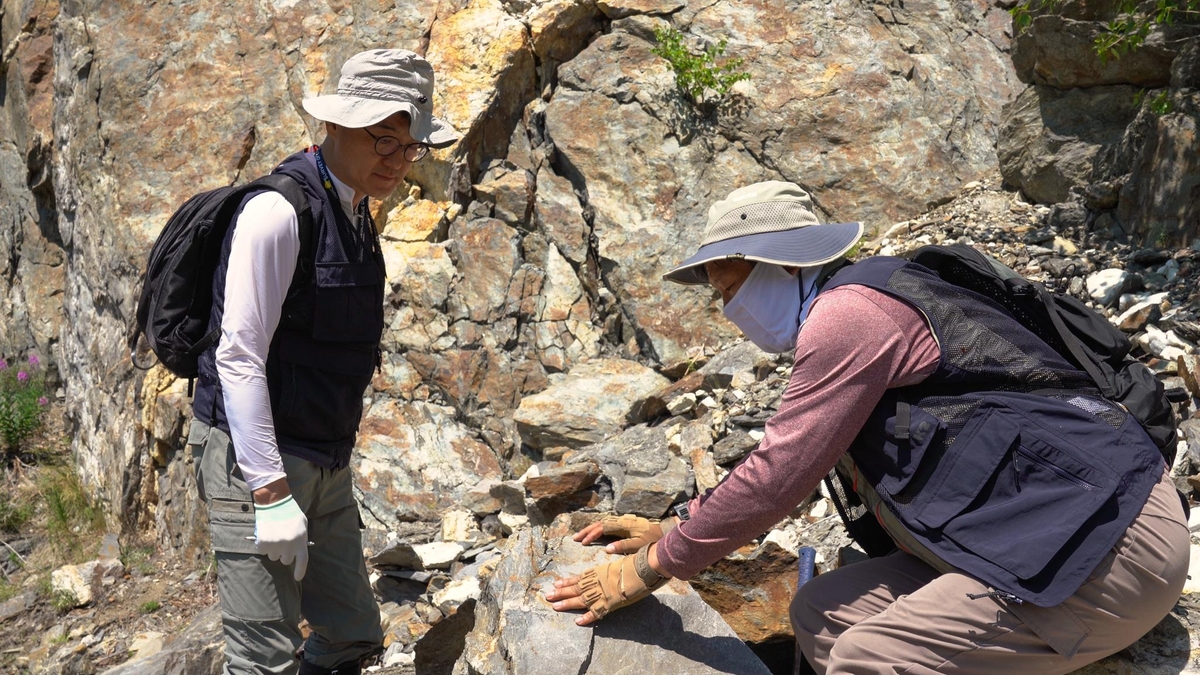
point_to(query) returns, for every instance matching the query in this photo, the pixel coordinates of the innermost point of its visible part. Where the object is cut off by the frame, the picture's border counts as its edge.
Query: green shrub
(22, 400)
(696, 73)
(1161, 103)
(1123, 34)
(150, 606)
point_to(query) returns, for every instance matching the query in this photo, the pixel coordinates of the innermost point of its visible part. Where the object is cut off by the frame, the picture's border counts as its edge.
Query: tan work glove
(606, 587)
(638, 532)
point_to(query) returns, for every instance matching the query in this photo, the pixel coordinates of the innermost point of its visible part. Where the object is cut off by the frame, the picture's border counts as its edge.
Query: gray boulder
(595, 400)
(745, 359)
(1106, 286)
(1050, 138)
(1060, 51)
(646, 476)
(516, 631)
(198, 649)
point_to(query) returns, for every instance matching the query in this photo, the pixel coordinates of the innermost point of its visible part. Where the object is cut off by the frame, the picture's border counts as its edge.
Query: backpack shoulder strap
(1076, 351)
(294, 194)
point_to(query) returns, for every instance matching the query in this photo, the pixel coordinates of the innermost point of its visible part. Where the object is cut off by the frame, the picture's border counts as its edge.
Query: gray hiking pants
(898, 614)
(261, 603)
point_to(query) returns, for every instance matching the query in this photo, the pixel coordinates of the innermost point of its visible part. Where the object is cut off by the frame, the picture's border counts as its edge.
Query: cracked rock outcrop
(517, 632)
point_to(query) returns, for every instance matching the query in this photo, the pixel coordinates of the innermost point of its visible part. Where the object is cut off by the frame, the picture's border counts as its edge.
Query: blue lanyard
(364, 211)
(327, 182)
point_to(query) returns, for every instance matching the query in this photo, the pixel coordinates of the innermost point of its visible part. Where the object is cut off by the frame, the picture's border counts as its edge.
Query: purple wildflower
(42, 400)
(33, 360)
(3, 364)
(22, 376)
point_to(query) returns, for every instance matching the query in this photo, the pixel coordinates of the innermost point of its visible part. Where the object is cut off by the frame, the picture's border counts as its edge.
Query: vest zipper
(1016, 468)
(937, 340)
(1061, 473)
(1001, 595)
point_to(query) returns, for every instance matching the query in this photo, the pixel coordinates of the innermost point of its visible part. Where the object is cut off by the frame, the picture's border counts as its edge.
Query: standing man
(279, 397)
(1035, 525)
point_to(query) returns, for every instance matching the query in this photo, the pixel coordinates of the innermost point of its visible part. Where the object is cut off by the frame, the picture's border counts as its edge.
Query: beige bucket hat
(378, 83)
(771, 222)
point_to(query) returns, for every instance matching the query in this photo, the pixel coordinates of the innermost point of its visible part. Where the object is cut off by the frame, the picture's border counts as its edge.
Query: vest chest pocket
(1015, 492)
(320, 387)
(349, 302)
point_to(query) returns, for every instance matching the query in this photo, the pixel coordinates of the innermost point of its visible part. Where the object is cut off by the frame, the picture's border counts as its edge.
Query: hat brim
(806, 246)
(357, 113)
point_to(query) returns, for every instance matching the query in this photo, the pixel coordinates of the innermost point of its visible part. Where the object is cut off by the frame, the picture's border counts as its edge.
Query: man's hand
(606, 587)
(281, 532)
(638, 532)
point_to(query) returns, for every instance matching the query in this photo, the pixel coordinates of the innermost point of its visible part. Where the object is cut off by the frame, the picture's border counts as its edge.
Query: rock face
(1103, 129)
(594, 401)
(517, 632)
(33, 269)
(909, 83)
(647, 478)
(414, 461)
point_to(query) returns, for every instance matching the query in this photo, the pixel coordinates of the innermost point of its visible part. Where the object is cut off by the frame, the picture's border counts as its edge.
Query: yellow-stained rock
(559, 29)
(416, 220)
(485, 74)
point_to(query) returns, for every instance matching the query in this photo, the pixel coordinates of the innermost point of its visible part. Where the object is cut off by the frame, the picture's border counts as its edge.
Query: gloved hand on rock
(606, 587)
(637, 532)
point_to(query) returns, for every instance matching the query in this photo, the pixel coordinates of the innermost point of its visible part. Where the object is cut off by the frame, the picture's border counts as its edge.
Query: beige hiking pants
(897, 614)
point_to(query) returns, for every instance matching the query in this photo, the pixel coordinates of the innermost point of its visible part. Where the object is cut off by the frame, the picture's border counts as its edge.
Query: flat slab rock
(518, 633)
(198, 649)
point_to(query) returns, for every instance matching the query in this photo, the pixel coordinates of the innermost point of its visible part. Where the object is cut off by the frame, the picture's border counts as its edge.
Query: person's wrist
(652, 560)
(650, 578)
(272, 492)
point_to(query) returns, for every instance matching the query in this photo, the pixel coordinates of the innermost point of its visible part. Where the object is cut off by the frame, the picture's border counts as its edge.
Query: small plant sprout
(697, 74)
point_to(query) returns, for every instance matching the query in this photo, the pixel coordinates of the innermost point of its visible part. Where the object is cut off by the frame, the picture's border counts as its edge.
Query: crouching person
(1034, 525)
(279, 398)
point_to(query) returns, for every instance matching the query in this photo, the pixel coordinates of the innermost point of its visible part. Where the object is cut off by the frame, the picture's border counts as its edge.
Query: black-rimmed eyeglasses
(389, 145)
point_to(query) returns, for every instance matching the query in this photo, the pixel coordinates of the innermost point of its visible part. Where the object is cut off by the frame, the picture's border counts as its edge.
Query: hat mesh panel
(759, 218)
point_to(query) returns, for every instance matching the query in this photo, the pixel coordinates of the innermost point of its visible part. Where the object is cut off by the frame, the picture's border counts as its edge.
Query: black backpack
(1086, 339)
(176, 301)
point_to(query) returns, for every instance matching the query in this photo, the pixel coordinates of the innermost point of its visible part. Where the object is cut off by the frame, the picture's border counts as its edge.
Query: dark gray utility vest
(326, 347)
(1005, 463)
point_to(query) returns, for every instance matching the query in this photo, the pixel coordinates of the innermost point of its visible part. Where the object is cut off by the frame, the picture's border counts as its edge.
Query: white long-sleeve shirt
(262, 260)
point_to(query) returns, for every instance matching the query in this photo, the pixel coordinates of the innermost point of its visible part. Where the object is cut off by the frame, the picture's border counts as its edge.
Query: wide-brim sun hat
(770, 222)
(379, 83)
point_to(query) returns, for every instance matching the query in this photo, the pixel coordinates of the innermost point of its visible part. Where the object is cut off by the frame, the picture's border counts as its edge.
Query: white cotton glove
(281, 533)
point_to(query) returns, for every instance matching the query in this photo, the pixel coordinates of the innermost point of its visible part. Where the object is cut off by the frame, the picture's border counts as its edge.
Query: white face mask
(771, 305)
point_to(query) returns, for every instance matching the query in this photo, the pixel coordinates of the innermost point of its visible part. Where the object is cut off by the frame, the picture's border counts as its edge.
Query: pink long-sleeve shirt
(856, 344)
